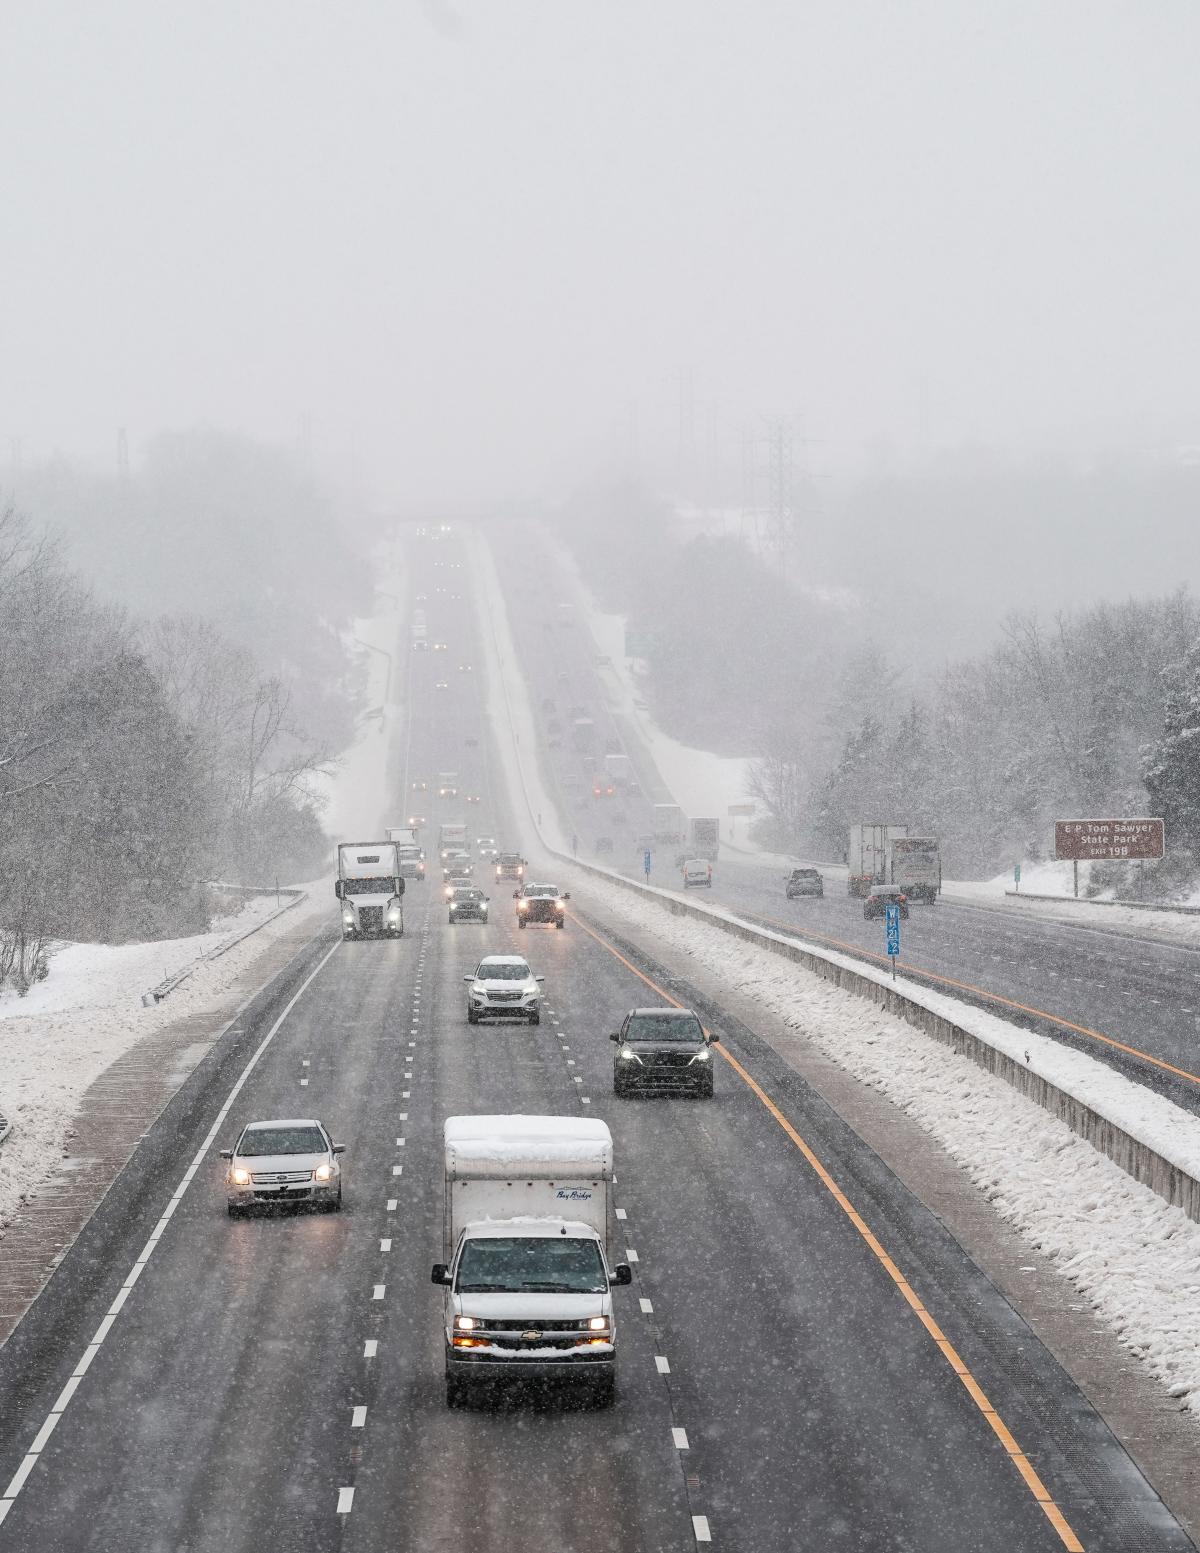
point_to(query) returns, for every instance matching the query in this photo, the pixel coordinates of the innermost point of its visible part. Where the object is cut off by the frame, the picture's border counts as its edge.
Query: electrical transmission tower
(769, 491)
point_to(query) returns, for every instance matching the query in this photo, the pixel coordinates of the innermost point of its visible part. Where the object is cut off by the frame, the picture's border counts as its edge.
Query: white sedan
(290, 1161)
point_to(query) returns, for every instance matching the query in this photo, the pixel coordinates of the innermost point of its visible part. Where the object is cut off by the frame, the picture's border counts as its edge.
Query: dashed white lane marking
(680, 1438)
(570, 1060)
(621, 1214)
(370, 1347)
(392, 1204)
(700, 1527)
(661, 1365)
(397, 1170)
(403, 1116)
(408, 1073)
(399, 1143)
(630, 1254)
(583, 1100)
(406, 1094)
(303, 1083)
(647, 1308)
(385, 1245)
(30, 1460)
(306, 1063)
(577, 1079)
(346, 1501)
(358, 1418)
(377, 1293)
(412, 1043)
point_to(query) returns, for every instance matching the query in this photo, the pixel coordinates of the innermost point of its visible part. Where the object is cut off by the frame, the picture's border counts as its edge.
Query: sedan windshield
(281, 1140)
(495, 972)
(526, 1265)
(663, 1027)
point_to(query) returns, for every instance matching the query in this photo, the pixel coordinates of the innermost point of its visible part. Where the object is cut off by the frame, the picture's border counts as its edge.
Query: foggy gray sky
(467, 234)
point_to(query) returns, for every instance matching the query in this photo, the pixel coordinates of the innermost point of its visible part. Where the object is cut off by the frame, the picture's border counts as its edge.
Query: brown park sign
(1102, 841)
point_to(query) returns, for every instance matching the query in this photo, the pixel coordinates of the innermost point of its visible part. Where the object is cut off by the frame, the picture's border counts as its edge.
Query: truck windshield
(368, 886)
(528, 1265)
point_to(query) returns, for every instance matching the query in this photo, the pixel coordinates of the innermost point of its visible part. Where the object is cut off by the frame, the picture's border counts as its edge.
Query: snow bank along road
(1126, 998)
(808, 1358)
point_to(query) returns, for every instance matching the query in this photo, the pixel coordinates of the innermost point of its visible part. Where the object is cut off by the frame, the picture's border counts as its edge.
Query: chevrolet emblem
(531, 1337)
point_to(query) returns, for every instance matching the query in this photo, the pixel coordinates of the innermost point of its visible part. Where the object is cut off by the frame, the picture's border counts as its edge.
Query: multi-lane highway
(1131, 1001)
(808, 1360)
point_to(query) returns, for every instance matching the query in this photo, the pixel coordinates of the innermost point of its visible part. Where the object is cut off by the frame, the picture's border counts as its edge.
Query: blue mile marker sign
(892, 921)
(646, 864)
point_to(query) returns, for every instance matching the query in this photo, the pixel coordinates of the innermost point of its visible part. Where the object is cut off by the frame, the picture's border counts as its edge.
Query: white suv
(503, 987)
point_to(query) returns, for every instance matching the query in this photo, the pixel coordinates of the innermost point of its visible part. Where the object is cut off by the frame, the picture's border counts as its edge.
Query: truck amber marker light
(947, 1350)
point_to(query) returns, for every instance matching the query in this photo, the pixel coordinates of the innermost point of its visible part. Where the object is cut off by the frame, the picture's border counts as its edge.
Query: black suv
(663, 1049)
(804, 881)
(540, 903)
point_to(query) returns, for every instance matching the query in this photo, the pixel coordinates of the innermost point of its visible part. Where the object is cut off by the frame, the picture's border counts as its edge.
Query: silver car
(290, 1161)
(503, 987)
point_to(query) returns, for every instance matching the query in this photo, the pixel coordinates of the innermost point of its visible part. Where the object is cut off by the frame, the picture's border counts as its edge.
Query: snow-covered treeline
(143, 753)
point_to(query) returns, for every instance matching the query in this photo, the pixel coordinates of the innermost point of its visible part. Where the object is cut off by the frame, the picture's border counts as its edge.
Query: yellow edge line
(858, 953)
(1034, 1483)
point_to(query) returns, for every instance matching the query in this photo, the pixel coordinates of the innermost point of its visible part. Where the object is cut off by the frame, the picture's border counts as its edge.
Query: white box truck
(619, 769)
(704, 838)
(668, 825)
(371, 889)
(525, 1236)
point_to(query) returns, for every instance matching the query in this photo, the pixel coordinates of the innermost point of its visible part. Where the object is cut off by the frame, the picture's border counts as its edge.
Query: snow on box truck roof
(556, 1145)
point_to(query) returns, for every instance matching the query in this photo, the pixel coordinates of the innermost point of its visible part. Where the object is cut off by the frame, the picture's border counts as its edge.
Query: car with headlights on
(503, 987)
(281, 1162)
(541, 903)
(454, 883)
(663, 1050)
(468, 903)
(510, 865)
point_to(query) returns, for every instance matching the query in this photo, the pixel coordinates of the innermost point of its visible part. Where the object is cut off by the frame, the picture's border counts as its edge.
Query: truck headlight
(239, 1177)
(348, 918)
(453, 905)
(464, 1323)
(598, 1324)
(522, 905)
(323, 1173)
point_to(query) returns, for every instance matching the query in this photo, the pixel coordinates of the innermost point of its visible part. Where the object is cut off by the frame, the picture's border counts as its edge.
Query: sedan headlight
(323, 1173)
(239, 1177)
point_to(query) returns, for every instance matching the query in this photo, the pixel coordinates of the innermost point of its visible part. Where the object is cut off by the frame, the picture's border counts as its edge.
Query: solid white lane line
(66, 1393)
(43, 1434)
(392, 1203)
(305, 1063)
(345, 1501)
(630, 1254)
(700, 1527)
(358, 1418)
(661, 1365)
(377, 1294)
(621, 1214)
(680, 1438)
(370, 1347)
(385, 1245)
(647, 1308)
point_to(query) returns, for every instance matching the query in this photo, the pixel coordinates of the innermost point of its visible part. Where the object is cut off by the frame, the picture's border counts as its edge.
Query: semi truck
(526, 1273)
(419, 637)
(452, 837)
(668, 825)
(869, 854)
(619, 769)
(704, 838)
(915, 864)
(370, 887)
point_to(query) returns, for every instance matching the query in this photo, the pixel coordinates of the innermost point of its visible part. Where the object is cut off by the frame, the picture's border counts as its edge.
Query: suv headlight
(348, 918)
(627, 1054)
(703, 1056)
(598, 1324)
